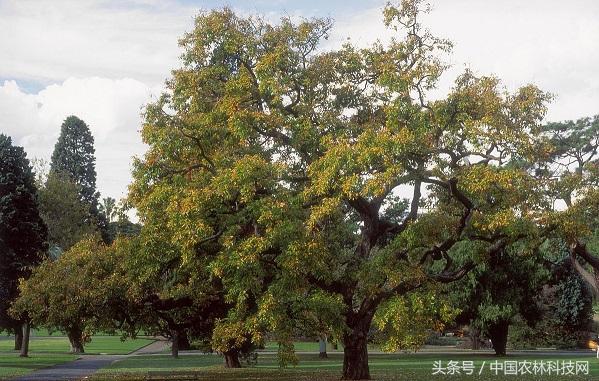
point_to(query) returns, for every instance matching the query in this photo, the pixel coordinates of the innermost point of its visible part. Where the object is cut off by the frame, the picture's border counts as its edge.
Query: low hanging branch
(579, 249)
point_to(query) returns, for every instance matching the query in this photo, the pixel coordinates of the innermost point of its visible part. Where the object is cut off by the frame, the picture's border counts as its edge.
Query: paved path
(157, 347)
(87, 365)
(74, 370)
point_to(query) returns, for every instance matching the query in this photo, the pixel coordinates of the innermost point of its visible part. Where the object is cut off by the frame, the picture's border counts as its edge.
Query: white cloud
(110, 107)
(52, 40)
(550, 43)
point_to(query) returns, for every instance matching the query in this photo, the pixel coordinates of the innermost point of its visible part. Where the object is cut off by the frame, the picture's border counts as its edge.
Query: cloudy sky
(102, 60)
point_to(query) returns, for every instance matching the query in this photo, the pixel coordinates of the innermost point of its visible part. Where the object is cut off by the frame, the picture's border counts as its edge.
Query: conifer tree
(22, 231)
(74, 156)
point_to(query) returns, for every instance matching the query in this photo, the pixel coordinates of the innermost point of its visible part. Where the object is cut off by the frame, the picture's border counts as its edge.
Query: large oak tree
(327, 181)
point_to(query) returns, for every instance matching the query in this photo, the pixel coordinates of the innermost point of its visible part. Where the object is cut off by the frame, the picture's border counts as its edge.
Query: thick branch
(579, 249)
(168, 304)
(447, 276)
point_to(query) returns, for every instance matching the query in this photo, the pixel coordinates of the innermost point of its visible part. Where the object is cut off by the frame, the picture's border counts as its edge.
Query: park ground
(50, 350)
(47, 350)
(404, 367)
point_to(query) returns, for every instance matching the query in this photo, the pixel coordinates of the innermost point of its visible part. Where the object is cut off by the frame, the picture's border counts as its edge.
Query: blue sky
(103, 60)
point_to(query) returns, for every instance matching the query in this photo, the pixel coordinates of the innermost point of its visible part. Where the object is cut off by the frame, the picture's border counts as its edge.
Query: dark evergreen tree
(23, 233)
(74, 155)
(497, 293)
(574, 301)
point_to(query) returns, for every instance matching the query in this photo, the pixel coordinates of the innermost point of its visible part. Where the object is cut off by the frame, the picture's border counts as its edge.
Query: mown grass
(12, 365)
(60, 344)
(312, 346)
(391, 367)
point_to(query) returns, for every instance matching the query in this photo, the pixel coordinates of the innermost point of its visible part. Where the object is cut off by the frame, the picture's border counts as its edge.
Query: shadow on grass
(390, 367)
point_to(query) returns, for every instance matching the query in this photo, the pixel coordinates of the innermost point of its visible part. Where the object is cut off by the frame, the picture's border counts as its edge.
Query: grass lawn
(13, 365)
(60, 344)
(311, 346)
(302, 346)
(404, 367)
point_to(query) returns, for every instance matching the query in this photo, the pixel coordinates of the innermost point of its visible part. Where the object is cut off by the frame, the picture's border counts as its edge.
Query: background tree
(66, 216)
(119, 223)
(286, 159)
(572, 173)
(565, 303)
(78, 293)
(74, 156)
(108, 208)
(497, 292)
(22, 231)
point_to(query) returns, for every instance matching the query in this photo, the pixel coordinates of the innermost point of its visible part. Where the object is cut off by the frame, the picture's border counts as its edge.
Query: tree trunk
(322, 347)
(175, 344)
(498, 335)
(18, 338)
(475, 338)
(76, 339)
(355, 354)
(25, 342)
(232, 359)
(184, 344)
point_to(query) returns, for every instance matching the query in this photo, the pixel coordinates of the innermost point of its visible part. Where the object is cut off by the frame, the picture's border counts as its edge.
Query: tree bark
(184, 344)
(355, 353)
(474, 338)
(175, 343)
(18, 338)
(322, 350)
(76, 339)
(25, 342)
(232, 359)
(498, 335)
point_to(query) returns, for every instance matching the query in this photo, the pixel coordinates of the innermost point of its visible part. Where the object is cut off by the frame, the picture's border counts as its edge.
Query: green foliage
(108, 207)
(547, 333)
(274, 168)
(23, 233)
(78, 293)
(118, 221)
(572, 174)
(74, 157)
(66, 216)
(574, 303)
(503, 289)
(405, 322)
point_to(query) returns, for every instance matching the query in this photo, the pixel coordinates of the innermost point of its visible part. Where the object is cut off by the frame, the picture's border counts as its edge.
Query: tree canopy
(66, 216)
(80, 292)
(22, 231)
(74, 157)
(328, 181)
(571, 173)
